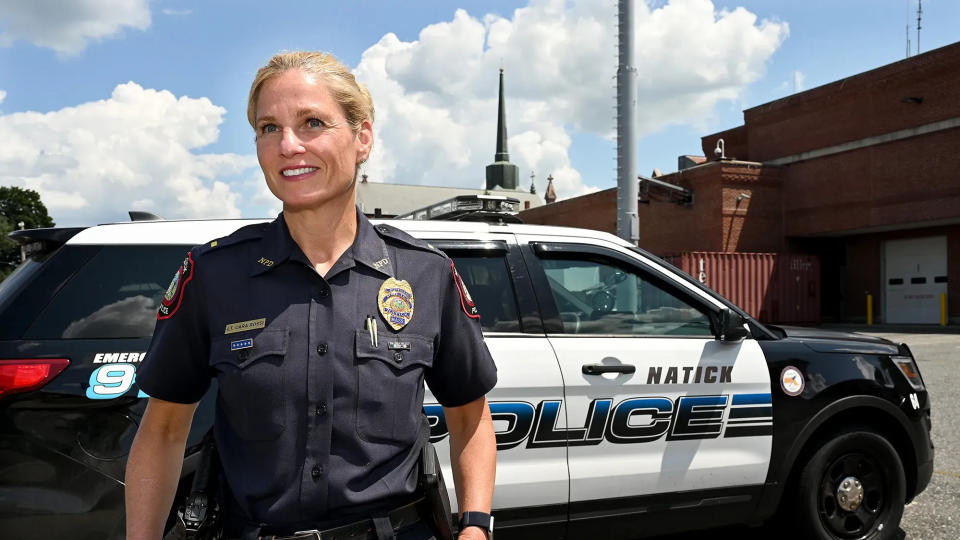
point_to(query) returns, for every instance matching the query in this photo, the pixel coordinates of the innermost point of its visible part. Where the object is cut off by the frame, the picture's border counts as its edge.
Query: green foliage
(18, 205)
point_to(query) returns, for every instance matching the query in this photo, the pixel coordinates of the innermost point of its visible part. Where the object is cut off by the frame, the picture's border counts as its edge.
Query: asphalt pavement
(935, 513)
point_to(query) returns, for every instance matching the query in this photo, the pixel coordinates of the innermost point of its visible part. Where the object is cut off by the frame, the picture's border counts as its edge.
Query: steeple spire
(501, 172)
(551, 194)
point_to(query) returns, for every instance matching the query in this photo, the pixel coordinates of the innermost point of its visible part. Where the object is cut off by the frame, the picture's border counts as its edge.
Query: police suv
(632, 401)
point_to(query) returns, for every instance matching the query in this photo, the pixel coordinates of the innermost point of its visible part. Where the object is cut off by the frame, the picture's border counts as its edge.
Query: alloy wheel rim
(853, 495)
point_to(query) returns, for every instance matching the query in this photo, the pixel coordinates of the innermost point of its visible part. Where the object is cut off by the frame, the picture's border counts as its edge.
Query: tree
(18, 205)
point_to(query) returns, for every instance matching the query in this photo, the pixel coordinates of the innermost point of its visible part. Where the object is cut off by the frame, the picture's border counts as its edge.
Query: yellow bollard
(869, 309)
(943, 309)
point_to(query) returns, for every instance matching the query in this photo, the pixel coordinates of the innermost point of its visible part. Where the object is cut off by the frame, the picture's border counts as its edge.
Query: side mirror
(730, 326)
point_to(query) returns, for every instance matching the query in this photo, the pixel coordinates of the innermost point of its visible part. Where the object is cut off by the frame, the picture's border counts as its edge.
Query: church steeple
(501, 172)
(551, 194)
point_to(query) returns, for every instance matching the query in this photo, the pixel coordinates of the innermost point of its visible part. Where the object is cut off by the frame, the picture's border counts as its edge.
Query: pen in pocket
(372, 328)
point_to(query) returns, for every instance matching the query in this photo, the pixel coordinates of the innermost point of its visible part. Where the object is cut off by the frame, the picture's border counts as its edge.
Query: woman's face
(306, 148)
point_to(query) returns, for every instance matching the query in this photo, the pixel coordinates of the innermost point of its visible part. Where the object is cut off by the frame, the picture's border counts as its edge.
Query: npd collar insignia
(396, 302)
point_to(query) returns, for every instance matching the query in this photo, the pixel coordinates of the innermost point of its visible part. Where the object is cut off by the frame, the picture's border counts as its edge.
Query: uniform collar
(369, 249)
(274, 248)
(277, 246)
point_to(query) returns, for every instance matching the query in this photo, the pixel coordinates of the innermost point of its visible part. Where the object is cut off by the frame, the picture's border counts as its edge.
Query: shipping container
(772, 287)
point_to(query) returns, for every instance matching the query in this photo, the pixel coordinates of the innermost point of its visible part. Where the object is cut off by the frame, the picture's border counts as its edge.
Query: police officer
(320, 330)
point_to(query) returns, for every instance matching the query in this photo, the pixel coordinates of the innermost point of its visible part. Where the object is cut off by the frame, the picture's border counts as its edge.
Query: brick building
(861, 172)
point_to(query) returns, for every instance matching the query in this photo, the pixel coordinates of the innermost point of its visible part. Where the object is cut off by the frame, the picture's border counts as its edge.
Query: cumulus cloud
(3, 95)
(132, 316)
(436, 96)
(67, 27)
(177, 11)
(134, 151)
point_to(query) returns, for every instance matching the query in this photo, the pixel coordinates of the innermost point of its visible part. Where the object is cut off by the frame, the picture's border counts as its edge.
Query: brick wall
(860, 106)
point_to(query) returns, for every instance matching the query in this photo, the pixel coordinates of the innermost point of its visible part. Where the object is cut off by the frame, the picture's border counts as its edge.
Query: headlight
(910, 371)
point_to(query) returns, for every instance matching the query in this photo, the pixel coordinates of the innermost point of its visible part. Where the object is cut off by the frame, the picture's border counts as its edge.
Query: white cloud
(168, 11)
(67, 27)
(798, 81)
(436, 97)
(134, 151)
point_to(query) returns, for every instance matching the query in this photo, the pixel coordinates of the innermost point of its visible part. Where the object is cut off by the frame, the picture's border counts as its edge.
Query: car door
(532, 488)
(657, 413)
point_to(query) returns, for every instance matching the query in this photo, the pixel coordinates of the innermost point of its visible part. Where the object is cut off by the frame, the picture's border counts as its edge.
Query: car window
(115, 295)
(487, 279)
(597, 297)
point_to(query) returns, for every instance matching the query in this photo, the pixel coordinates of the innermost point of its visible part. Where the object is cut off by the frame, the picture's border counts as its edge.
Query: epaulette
(243, 234)
(393, 233)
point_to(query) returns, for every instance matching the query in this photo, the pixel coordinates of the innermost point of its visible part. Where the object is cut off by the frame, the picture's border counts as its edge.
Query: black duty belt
(401, 517)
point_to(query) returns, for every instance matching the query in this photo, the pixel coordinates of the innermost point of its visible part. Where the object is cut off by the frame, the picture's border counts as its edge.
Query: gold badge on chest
(396, 302)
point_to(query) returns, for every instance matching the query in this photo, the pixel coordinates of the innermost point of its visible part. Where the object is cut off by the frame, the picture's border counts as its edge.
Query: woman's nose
(290, 144)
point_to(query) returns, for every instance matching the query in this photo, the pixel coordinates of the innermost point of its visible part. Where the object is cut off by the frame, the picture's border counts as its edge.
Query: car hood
(840, 342)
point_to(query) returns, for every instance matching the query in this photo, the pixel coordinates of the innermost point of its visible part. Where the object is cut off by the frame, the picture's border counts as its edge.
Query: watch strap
(476, 519)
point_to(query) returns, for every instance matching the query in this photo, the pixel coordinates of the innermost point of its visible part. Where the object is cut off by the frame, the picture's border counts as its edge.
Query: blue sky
(113, 104)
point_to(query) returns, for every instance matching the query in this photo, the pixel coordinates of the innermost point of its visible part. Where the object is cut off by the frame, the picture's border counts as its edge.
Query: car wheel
(853, 487)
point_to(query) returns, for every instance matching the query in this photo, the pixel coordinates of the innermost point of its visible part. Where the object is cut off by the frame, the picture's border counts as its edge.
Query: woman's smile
(297, 173)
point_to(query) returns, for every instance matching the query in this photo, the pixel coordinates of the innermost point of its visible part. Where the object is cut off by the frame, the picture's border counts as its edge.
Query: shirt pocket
(390, 386)
(251, 394)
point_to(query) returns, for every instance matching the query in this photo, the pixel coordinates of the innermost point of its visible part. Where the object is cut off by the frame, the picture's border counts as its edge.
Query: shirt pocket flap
(241, 352)
(400, 351)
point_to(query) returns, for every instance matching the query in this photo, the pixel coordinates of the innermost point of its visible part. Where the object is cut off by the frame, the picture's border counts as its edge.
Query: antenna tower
(907, 28)
(919, 16)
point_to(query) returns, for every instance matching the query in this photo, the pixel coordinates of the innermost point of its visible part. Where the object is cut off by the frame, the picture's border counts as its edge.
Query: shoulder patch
(466, 301)
(393, 233)
(171, 300)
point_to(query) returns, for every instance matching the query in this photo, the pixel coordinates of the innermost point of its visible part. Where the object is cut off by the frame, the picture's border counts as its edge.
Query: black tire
(867, 456)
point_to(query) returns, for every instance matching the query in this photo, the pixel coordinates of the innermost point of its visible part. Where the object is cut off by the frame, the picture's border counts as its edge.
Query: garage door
(916, 276)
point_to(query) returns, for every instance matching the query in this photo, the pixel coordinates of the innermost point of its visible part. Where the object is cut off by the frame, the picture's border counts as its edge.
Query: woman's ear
(364, 141)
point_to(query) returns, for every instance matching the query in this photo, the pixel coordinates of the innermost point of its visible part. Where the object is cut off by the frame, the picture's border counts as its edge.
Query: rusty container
(772, 287)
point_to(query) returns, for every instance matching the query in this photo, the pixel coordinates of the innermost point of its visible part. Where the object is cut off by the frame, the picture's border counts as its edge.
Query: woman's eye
(269, 128)
(315, 122)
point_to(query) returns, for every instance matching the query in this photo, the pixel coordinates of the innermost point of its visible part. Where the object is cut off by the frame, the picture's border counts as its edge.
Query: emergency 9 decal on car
(116, 377)
(633, 420)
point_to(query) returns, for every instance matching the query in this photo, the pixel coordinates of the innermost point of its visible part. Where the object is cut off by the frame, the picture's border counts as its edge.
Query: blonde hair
(352, 96)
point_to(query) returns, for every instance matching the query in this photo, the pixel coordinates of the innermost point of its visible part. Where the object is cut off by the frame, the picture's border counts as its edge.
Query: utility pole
(628, 185)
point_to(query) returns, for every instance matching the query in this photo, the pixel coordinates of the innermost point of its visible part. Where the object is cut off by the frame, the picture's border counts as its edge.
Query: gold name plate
(245, 325)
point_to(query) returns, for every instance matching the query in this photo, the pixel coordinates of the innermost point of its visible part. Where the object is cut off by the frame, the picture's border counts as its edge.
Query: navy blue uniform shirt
(312, 418)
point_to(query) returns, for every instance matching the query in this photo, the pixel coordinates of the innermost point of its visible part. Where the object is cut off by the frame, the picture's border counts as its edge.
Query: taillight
(28, 374)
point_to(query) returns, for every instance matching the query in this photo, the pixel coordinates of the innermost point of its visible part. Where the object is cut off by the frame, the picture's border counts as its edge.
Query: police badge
(395, 301)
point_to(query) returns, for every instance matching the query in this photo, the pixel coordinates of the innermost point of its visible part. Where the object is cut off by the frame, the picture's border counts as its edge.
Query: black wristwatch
(477, 519)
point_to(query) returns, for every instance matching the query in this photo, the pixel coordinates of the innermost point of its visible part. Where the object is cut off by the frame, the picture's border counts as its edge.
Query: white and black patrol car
(632, 401)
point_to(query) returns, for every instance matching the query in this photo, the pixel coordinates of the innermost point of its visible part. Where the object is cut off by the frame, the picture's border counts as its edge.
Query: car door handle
(598, 369)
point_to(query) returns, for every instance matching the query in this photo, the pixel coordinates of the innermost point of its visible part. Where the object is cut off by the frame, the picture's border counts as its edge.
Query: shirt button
(321, 409)
(322, 348)
(316, 472)
(324, 292)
